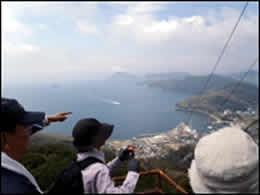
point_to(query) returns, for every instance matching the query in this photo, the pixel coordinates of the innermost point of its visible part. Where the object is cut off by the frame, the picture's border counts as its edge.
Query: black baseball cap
(90, 132)
(12, 113)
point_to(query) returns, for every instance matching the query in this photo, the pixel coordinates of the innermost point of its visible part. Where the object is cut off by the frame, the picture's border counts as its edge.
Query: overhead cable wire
(239, 82)
(221, 54)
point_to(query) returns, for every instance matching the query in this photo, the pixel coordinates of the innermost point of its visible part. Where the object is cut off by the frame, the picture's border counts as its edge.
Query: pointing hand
(61, 116)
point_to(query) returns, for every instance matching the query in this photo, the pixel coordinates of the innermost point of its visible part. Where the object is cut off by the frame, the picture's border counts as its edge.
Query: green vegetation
(215, 102)
(46, 162)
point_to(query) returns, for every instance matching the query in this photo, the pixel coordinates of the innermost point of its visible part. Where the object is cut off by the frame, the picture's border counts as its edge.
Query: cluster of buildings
(233, 116)
(157, 145)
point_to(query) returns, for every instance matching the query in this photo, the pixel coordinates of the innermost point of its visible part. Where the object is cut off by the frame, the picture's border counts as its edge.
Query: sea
(133, 108)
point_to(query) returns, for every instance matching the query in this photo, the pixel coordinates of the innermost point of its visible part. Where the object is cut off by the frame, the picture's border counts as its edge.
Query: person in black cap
(17, 125)
(88, 137)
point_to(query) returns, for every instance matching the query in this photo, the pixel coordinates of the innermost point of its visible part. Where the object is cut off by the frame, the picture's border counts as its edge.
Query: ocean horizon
(132, 108)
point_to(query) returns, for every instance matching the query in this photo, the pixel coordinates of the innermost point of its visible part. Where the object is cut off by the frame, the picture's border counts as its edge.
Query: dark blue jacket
(14, 183)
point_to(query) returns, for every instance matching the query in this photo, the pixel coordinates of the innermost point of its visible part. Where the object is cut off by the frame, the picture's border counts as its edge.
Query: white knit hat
(226, 161)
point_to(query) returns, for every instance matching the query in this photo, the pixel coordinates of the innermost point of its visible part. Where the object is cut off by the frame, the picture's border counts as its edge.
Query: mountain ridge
(123, 76)
(193, 84)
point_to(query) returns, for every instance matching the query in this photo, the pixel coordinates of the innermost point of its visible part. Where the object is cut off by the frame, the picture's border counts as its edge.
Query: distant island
(167, 76)
(192, 84)
(124, 76)
(223, 99)
(55, 85)
(252, 76)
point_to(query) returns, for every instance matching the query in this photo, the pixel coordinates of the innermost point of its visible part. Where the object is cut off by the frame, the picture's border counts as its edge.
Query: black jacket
(13, 183)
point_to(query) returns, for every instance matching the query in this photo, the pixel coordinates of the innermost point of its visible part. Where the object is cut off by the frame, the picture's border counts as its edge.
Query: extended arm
(113, 165)
(61, 116)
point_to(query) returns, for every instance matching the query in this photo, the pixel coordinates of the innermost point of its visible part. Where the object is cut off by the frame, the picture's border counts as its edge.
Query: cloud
(140, 23)
(10, 23)
(84, 27)
(133, 39)
(14, 48)
(43, 27)
(189, 43)
(124, 20)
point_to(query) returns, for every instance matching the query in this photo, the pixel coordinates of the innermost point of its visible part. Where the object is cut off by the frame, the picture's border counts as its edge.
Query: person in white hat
(225, 161)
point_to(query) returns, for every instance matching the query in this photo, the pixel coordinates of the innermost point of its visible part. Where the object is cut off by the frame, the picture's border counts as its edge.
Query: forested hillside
(46, 161)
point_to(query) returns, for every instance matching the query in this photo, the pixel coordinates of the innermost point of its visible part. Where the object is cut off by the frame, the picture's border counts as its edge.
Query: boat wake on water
(115, 102)
(109, 101)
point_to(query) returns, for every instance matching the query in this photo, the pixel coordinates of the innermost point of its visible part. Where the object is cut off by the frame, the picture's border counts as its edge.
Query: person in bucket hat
(17, 125)
(88, 136)
(225, 161)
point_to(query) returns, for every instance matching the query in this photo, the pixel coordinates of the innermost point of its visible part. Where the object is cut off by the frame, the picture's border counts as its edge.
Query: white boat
(115, 102)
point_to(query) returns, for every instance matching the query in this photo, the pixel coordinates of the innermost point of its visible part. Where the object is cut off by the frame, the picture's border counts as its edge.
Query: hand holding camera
(127, 153)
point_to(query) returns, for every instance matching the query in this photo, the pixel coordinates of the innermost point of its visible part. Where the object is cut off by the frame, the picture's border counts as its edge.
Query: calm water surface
(133, 109)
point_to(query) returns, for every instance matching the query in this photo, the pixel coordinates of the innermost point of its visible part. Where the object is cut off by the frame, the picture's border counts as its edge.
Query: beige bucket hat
(225, 161)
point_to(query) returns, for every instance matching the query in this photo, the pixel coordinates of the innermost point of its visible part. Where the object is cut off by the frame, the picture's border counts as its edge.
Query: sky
(57, 41)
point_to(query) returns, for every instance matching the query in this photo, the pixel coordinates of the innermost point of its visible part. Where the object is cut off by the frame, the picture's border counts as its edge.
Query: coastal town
(160, 144)
(157, 145)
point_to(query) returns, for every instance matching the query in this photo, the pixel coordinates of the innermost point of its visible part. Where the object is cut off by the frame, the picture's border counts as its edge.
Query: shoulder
(95, 168)
(12, 182)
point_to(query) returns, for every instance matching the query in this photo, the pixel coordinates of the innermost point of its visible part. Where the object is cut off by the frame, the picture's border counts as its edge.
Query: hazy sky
(89, 40)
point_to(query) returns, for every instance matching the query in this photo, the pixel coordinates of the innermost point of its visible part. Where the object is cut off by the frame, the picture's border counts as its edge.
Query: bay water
(132, 108)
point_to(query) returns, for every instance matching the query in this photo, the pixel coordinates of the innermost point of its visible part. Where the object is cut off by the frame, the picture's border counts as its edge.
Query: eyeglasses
(34, 128)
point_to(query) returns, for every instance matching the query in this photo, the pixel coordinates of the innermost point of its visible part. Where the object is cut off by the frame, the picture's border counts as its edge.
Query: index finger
(65, 113)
